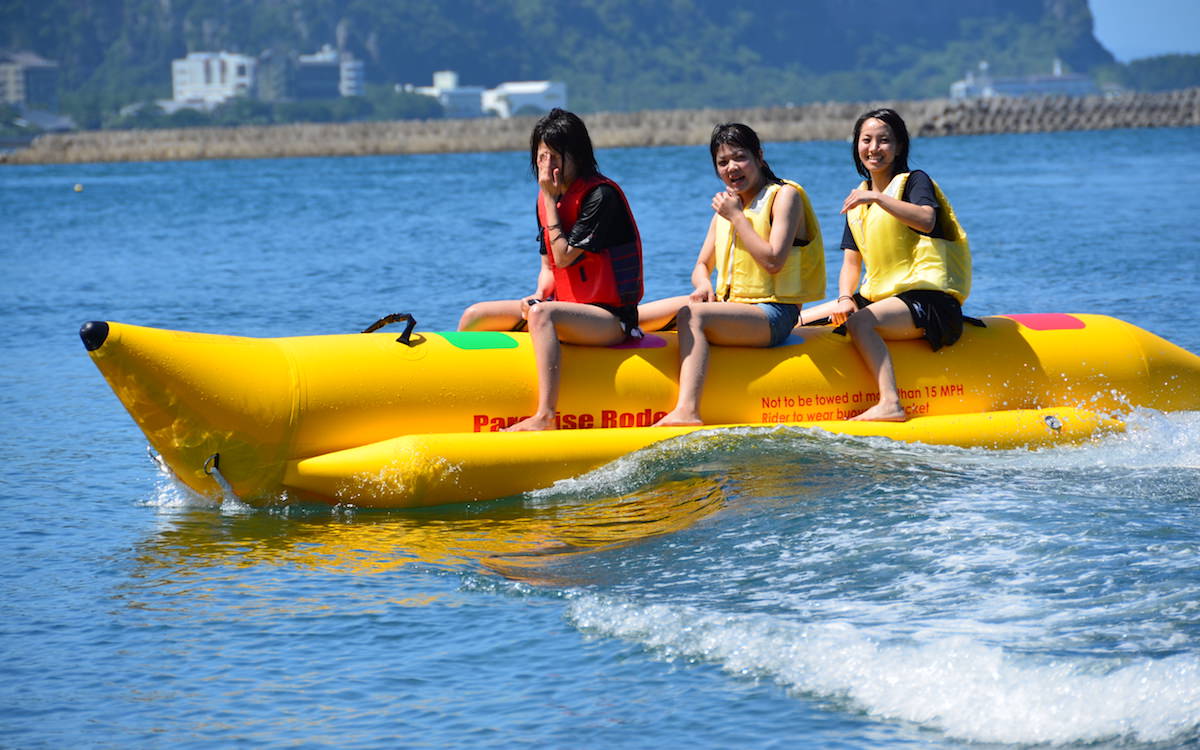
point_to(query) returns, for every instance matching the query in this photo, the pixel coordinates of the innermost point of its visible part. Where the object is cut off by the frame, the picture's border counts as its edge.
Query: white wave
(650, 463)
(1152, 440)
(962, 687)
(171, 494)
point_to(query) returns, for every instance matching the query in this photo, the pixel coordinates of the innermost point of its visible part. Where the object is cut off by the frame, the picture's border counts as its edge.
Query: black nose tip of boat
(93, 333)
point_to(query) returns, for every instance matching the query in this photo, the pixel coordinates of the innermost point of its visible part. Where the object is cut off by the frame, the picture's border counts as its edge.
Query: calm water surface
(749, 589)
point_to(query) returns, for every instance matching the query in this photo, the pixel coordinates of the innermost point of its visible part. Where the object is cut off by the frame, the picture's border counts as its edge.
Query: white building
(353, 80)
(205, 79)
(328, 73)
(28, 80)
(525, 97)
(456, 101)
(506, 100)
(982, 86)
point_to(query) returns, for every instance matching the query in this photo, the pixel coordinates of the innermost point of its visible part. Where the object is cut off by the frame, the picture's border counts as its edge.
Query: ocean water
(752, 588)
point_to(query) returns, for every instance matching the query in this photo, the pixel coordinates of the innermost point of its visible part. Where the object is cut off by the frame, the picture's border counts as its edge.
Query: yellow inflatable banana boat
(377, 421)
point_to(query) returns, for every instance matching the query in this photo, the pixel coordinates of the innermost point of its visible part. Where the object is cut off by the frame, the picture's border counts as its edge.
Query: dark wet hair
(740, 136)
(564, 132)
(893, 120)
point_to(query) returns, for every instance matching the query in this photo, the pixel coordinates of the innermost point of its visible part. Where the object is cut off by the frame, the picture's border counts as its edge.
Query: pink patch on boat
(649, 341)
(1049, 321)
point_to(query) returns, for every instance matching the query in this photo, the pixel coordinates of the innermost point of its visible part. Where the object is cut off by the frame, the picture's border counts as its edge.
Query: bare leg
(573, 323)
(702, 323)
(496, 315)
(886, 319)
(652, 316)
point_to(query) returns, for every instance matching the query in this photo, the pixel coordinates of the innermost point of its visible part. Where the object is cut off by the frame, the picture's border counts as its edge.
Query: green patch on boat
(480, 340)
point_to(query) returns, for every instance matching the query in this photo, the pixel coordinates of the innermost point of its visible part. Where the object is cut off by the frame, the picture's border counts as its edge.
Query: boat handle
(212, 467)
(404, 338)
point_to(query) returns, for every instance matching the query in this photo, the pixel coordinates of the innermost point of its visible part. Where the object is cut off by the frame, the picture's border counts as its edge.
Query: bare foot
(536, 423)
(677, 418)
(882, 413)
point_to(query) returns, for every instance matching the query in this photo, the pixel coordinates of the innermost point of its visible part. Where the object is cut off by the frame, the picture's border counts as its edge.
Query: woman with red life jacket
(765, 245)
(590, 280)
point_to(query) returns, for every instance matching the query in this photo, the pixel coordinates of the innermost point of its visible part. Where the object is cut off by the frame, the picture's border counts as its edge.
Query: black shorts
(628, 315)
(938, 313)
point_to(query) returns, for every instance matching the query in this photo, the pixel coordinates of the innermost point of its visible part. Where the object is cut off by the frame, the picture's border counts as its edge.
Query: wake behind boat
(379, 421)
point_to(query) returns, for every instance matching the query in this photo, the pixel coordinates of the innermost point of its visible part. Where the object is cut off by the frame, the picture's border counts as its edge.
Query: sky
(1132, 29)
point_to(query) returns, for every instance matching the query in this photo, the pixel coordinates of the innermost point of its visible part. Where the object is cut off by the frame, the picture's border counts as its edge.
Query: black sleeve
(541, 234)
(919, 191)
(603, 221)
(848, 242)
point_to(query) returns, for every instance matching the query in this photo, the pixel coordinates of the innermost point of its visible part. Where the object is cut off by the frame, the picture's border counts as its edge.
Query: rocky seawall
(828, 121)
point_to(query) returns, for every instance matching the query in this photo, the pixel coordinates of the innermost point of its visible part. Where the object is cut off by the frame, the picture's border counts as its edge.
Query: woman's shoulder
(919, 189)
(602, 191)
(790, 187)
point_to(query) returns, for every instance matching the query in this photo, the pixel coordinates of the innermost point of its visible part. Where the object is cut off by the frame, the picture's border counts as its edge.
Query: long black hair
(739, 136)
(893, 120)
(564, 132)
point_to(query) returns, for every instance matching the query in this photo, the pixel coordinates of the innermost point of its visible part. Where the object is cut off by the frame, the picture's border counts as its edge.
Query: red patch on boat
(1049, 321)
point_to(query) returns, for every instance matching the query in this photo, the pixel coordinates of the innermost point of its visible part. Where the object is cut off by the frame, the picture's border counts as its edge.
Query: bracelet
(845, 296)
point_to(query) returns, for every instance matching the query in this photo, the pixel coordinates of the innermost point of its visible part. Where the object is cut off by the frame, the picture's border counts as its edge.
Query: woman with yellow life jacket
(590, 280)
(918, 264)
(766, 247)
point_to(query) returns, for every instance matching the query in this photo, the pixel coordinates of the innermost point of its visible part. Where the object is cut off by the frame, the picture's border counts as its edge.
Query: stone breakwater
(812, 122)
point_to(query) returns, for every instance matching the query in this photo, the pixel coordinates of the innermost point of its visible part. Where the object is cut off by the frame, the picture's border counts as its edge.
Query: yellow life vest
(900, 259)
(739, 276)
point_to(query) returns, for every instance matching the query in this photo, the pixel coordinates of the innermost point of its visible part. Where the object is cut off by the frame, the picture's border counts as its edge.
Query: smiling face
(739, 169)
(877, 148)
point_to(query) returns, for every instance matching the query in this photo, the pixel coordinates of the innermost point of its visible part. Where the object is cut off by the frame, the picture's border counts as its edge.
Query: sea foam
(956, 684)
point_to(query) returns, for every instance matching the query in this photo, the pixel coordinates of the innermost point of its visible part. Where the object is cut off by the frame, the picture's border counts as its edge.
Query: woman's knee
(861, 322)
(471, 315)
(540, 316)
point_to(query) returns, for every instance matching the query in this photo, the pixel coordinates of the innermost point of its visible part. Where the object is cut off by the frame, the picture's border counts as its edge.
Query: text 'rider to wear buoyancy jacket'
(900, 259)
(739, 276)
(611, 276)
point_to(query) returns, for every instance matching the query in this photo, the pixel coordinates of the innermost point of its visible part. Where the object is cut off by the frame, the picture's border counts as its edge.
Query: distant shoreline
(811, 122)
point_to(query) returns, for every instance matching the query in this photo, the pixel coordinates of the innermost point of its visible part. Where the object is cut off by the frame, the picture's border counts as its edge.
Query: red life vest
(612, 276)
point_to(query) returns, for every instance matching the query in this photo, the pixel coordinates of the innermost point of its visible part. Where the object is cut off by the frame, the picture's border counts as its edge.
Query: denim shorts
(782, 317)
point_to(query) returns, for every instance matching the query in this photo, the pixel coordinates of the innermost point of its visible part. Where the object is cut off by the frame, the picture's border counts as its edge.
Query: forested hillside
(613, 54)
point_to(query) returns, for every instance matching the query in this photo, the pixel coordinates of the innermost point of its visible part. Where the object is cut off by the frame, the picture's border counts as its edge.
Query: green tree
(613, 54)
(242, 110)
(188, 118)
(389, 104)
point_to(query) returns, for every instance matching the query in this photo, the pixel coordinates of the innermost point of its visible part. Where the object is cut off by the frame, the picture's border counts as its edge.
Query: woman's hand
(727, 204)
(858, 197)
(844, 308)
(526, 303)
(550, 180)
(703, 293)
(920, 218)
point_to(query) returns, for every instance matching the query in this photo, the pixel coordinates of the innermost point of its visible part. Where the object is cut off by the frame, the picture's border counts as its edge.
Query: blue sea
(756, 589)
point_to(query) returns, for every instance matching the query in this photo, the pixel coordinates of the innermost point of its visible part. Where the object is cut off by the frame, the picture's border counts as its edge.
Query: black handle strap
(404, 338)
